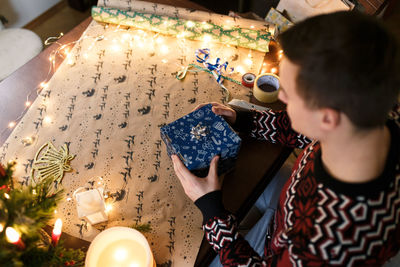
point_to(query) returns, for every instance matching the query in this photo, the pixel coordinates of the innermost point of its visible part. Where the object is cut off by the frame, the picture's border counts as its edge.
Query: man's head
(346, 62)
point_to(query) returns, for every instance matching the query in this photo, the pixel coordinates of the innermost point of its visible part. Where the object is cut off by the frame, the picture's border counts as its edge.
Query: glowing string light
(190, 24)
(11, 124)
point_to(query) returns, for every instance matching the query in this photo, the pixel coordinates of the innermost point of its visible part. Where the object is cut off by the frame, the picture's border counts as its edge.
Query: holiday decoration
(120, 246)
(199, 136)
(107, 101)
(24, 211)
(55, 235)
(90, 205)
(191, 30)
(51, 163)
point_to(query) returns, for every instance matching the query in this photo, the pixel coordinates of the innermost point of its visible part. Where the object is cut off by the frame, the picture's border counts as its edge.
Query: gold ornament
(52, 163)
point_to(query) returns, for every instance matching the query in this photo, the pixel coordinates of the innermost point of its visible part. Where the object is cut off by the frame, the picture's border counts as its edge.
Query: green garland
(28, 209)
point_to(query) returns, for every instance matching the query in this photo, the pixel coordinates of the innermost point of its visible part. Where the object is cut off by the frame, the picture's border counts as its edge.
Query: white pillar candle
(119, 246)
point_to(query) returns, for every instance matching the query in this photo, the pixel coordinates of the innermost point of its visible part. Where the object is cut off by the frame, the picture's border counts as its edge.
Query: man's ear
(330, 118)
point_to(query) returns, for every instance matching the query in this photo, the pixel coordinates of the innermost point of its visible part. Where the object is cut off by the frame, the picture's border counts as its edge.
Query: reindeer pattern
(109, 108)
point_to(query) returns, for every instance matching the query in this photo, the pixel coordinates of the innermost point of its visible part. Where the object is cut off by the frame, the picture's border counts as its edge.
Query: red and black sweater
(320, 221)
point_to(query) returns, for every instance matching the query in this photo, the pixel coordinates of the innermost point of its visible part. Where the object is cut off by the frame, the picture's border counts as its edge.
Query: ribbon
(198, 131)
(202, 56)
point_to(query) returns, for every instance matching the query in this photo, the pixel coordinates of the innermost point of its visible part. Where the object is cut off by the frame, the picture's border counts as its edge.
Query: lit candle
(55, 236)
(14, 237)
(119, 246)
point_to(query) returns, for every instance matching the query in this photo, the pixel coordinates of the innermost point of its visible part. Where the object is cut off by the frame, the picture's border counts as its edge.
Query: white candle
(119, 246)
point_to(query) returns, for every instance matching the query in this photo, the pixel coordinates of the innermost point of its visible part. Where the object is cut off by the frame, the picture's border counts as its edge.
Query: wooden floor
(60, 18)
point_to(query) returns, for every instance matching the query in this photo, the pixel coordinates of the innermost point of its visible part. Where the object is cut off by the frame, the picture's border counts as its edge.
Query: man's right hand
(219, 109)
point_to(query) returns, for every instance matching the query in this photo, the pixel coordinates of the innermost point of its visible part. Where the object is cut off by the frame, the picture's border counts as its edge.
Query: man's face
(304, 120)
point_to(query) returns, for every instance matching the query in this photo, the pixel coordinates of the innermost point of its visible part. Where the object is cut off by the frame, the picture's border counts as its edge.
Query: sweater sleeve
(273, 126)
(220, 229)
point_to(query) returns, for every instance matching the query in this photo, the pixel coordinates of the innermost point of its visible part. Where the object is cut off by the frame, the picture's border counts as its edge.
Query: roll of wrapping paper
(266, 88)
(192, 30)
(188, 14)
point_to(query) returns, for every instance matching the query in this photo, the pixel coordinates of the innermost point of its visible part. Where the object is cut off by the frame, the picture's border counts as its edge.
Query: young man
(341, 204)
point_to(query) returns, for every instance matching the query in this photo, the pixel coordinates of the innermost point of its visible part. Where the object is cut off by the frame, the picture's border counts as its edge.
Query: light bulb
(11, 124)
(47, 119)
(12, 235)
(248, 61)
(164, 49)
(206, 38)
(240, 69)
(126, 36)
(160, 40)
(108, 207)
(190, 24)
(43, 85)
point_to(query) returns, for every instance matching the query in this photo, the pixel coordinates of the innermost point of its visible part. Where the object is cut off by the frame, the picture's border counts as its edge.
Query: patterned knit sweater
(320, 221)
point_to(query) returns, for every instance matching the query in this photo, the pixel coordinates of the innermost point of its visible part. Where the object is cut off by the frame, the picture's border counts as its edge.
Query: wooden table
(257, 161)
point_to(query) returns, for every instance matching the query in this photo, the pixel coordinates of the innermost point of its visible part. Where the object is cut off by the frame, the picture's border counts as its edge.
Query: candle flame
(57, 227)
(12, 235)
(120, 254)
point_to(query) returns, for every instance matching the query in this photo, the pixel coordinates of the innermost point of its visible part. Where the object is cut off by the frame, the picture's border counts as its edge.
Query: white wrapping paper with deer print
(107, 102)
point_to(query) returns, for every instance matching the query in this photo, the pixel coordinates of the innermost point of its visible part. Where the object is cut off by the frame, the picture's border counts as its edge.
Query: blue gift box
(200, 135)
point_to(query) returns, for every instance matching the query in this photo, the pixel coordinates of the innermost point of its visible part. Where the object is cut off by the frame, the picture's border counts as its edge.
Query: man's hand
(228, 113)
(194, 186)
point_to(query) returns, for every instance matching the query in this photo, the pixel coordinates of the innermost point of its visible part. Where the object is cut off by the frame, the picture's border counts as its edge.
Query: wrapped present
(199, 136)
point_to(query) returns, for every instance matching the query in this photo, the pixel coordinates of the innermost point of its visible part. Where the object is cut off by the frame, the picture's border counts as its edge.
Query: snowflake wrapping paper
(107, 103)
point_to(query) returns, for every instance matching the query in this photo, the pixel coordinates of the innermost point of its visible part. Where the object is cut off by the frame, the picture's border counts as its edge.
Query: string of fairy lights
(118, 37)
(135, 37)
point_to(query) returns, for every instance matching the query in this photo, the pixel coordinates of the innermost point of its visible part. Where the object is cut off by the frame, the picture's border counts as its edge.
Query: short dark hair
(347, 61)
